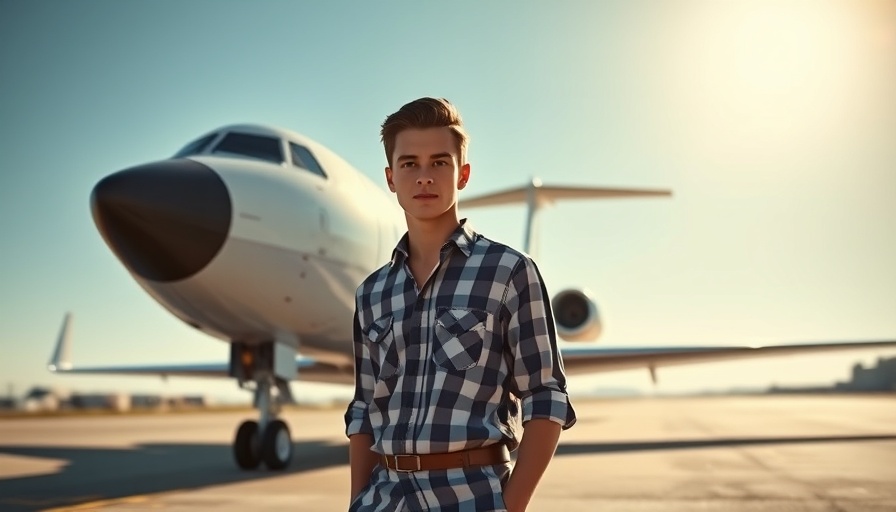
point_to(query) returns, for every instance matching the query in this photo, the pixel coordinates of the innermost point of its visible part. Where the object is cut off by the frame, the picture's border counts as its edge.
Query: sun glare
(768, 78)
(782, 47)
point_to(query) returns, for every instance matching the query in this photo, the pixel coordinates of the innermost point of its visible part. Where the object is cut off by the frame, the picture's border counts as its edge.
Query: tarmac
(768, 453)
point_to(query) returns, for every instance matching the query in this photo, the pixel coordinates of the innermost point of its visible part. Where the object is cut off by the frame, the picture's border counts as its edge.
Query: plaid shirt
(435, 368)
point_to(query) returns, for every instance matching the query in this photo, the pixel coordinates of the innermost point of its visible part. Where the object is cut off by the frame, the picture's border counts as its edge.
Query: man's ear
(389, 179)
(464, 176)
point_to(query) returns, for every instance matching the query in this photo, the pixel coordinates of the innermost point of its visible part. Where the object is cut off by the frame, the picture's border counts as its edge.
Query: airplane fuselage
(297, 245)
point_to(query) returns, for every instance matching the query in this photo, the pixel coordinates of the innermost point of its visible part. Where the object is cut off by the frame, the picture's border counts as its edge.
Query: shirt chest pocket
(460, 335)
(383, 352)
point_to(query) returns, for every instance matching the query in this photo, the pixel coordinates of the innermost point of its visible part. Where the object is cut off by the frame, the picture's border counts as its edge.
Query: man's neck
(426, 237)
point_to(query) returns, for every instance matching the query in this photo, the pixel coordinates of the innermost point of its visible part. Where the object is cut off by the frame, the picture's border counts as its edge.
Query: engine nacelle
(576, 316)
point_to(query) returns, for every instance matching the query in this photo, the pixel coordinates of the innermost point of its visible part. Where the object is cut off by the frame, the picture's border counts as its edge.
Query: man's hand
(536, 449)
(362, 461)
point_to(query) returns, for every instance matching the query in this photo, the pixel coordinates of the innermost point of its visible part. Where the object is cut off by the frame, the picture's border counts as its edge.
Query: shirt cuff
(356, 419)
(549, 404)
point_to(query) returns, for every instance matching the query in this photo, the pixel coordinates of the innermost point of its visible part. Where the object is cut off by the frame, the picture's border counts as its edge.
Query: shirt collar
(463, 238)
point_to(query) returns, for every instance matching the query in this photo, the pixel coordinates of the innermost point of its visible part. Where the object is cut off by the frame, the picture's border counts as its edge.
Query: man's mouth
(426, 196)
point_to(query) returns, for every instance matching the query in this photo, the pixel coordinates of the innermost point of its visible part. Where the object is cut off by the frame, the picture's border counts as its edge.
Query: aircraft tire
(276, 445)
(246, 445)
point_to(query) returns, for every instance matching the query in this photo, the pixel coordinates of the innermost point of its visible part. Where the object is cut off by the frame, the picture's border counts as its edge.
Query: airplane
(259, 236)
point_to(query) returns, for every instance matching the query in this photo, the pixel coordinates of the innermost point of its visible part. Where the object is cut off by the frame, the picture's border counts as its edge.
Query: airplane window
(303, 158)
(255, 146)
(195, 147)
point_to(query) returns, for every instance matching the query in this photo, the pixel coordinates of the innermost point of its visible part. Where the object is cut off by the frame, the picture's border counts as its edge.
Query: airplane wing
(309, 369)
(547, 194)
(577, 360)
(581, 360)
(536, 195)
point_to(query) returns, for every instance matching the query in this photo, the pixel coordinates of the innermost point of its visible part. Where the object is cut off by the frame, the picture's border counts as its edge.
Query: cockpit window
(255, 146)
(303, 158)
(196, 147)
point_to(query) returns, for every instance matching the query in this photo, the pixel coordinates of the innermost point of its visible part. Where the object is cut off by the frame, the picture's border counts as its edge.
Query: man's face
(426, 173)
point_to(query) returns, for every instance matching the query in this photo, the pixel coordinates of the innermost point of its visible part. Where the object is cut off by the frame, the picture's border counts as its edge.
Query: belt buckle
(396, 458)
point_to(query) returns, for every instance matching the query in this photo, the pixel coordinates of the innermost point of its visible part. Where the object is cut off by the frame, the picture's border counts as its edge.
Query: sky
(772, 121)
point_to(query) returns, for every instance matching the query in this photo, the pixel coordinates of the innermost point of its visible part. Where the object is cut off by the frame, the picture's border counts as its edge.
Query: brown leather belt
(485, 456)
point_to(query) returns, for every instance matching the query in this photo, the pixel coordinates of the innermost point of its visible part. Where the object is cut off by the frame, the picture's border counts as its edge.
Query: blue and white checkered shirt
(437, 369)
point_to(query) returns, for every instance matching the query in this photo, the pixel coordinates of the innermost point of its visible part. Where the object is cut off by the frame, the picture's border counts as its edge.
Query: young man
(450, 337)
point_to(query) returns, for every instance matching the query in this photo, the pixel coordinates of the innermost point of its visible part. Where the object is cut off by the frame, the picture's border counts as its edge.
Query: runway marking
(94, 505)
(25, 501)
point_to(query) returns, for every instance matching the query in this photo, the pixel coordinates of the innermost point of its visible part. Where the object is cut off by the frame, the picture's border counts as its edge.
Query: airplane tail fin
(61, 359)
(536, 195)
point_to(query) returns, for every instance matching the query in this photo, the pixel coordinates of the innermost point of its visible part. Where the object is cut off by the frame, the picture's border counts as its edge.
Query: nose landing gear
(273, 446)
(268, 439)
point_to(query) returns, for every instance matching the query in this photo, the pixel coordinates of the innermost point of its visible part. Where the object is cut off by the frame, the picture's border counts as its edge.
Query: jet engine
(576, 316)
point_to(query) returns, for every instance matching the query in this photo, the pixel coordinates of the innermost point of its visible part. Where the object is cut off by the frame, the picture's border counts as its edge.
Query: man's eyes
(437, 163)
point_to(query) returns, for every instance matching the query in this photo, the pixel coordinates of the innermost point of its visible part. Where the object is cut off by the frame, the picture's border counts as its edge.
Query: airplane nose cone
(165, 220)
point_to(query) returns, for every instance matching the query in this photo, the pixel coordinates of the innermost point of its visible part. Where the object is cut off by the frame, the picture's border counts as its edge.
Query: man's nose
(424, 180)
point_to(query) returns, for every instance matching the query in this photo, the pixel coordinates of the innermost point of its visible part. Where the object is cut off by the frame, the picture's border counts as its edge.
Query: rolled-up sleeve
(537, 367)
(357, 421)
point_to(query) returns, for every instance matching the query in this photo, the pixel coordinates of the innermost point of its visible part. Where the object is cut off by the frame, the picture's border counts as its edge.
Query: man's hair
(425, 113)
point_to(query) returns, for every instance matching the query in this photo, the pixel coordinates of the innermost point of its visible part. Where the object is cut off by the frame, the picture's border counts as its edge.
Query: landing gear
(266, 440)
(268, 368)
(273, 446)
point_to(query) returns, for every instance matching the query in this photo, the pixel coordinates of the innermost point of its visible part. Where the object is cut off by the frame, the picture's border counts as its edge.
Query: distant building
(123, 402)
(195, 401)
(146, 401)
(40, 399)
(120, 402)
(881, 377)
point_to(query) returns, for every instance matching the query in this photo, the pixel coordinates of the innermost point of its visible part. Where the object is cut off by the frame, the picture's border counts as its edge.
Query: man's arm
(362, 461)
(539, 381)
(357, 422)
(535, 366)
(536, 449)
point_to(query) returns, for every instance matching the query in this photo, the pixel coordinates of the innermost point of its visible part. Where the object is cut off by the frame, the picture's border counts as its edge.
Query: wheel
(246, 445)
(276, 445)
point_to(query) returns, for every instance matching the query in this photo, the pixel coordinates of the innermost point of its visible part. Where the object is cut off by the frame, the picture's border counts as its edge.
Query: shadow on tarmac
(92, 474)
(720, 442)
